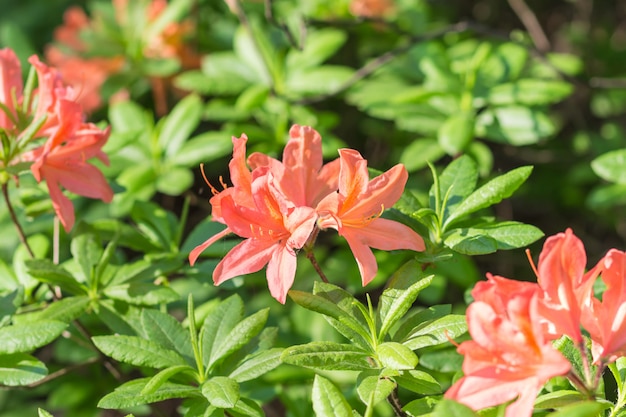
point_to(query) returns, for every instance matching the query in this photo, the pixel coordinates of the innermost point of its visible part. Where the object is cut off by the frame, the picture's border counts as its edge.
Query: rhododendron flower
(274, 229)
(86, 65)
(509, 357)
(67, 165)
(566, 287)
(48, 129)
(355, 212)
(370, 8)
(606, 320)
(304, 179)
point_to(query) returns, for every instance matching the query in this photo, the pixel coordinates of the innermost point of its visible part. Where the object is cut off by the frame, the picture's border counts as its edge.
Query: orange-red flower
(52, 116)
(566, 287)
(509, 357)
(606, 320)
(302, 174)
(274, 229)
(355, 212)
(370, 8)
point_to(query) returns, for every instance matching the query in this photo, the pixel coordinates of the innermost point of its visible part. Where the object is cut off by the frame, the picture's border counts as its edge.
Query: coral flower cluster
(280, 206)
(87, 56)
(512, 324)
(45, 128)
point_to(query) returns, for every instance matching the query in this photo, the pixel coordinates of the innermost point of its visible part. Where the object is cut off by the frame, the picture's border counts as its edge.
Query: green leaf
(450, 408)
(180, 124)
(421, 318)
(241, 334)
(330, 303)
(137, 351)
(491, 193)
(46, 271)
(21, 369)
(25, 337)
(456, 183)
(127, 116)
(43, 413)
(394, 303)
(155, 222)
(247, 50)
(419, 382)
(581, 409)
(206, 147)
(456, 133)
(221, 391)
(328, 401)
(327, 356)
(421, 407)
(558, 399)
(530, 92)
(328, 79)
(482, 239)
(514, 125)
(419, 153)
(162, 377)
(87, 250)
(257, 365)
(218, 325)
(143, 293)
(437, 332)
(174, 181)
(246, 408)
(396, 356)
(129, 394)
(319, 46)
(165, 330)
(373, 387)
(610, 166)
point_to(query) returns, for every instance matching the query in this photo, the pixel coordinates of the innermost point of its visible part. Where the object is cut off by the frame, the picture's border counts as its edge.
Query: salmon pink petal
(239, 173)
(281, 271)
(300, 224)
(195, 253)
(249, 256)
(387, 234)
(62, 205)
(363, 255)
(353, 175)
(10, 87)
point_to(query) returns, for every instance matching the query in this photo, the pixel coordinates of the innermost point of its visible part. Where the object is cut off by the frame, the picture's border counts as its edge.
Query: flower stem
(18, 226)
(395, 403)
(311, 257)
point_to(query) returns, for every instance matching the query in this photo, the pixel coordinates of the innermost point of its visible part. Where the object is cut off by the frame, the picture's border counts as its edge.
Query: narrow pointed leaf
(450, 408)
(241, 334)
(129, 394)
(421, 318)
(46, 271)
(25, 337)
(327, 356)
(144, 293)
(21, 369)
(373, 388)
(137, 351)
(162, 377)
(419, 382)
(165, 330)
(219, 324)
(394, 303)
(456, 182)
(396, 356)
(328, 401)
(221, 391)
(86, 249)
(180, 124)
(491, 193)
(343, 322)
(437, 332)
(257, 365)
(488, 238)
(581, 409)
(43, 413)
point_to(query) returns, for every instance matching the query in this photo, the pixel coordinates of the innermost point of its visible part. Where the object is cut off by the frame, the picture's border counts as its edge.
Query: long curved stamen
(532, 263)
(213, 190)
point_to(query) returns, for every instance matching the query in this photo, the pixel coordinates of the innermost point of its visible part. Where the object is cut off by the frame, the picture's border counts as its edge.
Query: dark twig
(531, 23)
(18, 226)
(395, 403)
(600, 82)
(64, 371)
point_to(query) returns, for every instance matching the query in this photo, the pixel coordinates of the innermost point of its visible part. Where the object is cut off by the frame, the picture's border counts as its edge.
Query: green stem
(18, 226)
